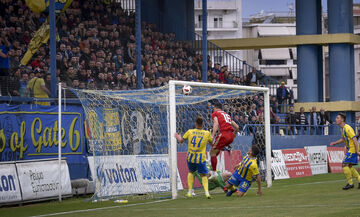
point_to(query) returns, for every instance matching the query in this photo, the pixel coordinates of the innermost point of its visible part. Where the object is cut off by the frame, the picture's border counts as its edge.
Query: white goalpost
(132, 148)
(172, 119)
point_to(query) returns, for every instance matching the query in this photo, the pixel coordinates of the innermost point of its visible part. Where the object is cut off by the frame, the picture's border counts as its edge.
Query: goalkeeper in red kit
(228, 130)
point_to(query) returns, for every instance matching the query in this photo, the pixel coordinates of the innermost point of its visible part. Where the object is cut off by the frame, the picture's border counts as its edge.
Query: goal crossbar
(172, 125)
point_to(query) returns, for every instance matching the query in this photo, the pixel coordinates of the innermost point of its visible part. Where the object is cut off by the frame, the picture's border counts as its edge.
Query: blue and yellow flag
(39, 6)
(42, 34)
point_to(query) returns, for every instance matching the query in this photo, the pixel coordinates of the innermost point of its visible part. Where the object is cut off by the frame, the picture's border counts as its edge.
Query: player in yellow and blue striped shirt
(351, 157)
(195, 157)
(243, 175)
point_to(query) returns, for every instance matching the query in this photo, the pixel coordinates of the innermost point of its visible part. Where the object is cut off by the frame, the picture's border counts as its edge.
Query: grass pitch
(319, 195)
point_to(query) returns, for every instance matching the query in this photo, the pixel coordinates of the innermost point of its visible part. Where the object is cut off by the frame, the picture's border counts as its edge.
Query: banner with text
(9, 184)
(317, 156)
(335, 158)
(28, 133)
(278, 165)
(131, 174)
(40, 179)
(297, 162)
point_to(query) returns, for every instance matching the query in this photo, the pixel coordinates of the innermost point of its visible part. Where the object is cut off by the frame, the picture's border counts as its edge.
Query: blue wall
(170, 16)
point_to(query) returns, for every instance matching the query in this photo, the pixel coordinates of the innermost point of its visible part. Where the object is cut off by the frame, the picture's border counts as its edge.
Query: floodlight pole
(52, 17)
(139, 84)
(204, 42)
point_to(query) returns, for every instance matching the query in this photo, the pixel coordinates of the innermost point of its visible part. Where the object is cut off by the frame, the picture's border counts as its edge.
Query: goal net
(131, 132)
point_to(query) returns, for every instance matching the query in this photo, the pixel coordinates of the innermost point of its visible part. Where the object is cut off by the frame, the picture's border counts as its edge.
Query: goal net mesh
(128, 133)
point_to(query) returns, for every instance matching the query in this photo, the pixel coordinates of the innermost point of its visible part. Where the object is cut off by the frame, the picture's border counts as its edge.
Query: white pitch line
(314, 183)
(100, 208)
(246, 207)
(194, 208)
(136, 204)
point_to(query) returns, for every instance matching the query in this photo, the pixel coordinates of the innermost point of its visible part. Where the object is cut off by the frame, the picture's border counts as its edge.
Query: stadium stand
(96, 50)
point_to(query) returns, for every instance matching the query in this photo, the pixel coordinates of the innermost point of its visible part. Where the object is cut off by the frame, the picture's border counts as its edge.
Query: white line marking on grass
(247, 207)
(314, 183)
(100, 208)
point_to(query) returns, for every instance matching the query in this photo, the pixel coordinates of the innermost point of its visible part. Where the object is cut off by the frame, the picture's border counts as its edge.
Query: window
(272, 62)
(200, 20)
(218, 22)
(356, 21)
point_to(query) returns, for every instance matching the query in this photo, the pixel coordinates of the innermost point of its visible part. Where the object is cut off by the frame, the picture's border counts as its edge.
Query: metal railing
(295, 129)
(235, 65)
(127, 5)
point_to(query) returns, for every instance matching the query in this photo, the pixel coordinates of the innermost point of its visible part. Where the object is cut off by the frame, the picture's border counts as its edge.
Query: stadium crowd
(96, 50)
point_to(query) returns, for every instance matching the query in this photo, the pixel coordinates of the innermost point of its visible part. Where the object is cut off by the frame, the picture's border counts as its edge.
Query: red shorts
(223, 139)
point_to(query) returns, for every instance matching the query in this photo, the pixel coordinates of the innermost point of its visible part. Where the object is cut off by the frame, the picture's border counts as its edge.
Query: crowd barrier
(307, 161)
(31, 180)
(131, 174)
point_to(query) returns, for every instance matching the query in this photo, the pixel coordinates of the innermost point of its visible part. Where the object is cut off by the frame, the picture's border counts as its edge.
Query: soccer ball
(187, 89)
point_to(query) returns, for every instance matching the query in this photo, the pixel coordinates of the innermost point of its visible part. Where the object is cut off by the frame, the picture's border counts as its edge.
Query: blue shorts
(350, 158)
(199, 167)
(236, 180)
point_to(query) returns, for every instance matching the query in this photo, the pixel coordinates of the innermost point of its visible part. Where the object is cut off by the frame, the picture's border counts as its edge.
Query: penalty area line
(100, 208)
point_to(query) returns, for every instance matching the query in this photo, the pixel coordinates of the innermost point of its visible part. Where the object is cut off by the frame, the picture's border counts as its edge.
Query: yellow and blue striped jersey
(197, 140)
(248, 168)
(348, 134)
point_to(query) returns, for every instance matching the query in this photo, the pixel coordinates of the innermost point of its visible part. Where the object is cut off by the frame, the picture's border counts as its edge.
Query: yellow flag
(42, 34)
(36, 6)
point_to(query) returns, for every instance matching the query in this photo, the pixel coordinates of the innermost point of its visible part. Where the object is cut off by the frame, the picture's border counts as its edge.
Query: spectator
(82, 85)
(23, 83)
(4, 62)
(260, 111)
(273, 101)
(36, 87)
(217, 68)
(253, 110)
(282, 93)
(324, 119)
(272, 115)
(75, 84)
(253, 77)
(291, 120)
(276, 128)
(301, 120)
(254, 121)
(276, 108)
(48, 81)
(14, 83)
(314, 121)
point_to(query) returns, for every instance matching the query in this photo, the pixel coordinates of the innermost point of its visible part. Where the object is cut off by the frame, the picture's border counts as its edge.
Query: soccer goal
(131, 133)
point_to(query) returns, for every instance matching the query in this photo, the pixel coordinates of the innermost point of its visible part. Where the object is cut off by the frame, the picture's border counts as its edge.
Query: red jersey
(224, 121)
